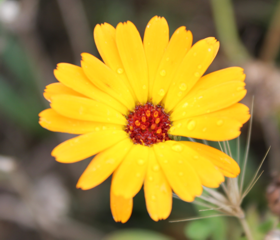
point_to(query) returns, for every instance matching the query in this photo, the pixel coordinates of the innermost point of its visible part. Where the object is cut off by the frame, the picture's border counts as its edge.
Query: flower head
(128, 109)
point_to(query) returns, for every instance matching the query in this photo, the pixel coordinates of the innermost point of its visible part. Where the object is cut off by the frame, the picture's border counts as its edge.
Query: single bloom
(129, 110)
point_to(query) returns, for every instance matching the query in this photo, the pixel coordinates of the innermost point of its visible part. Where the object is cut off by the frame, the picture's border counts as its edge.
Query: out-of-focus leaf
(136, 234)
(14, 107)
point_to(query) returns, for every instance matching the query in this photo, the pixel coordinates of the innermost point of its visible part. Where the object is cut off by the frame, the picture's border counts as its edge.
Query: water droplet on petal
(194, 54)
(144, 87)
(180, 161)
(210, 49)
(179, 94)
(184, 113)
(172, 128)
(162, 73)
(199, 66)
(120, 71)
(185, 105)
(208, 111)
(204, 129)
(177, 148)
(183, 86)
(191, 125)
(239, 88)
(104, 128)
(110, 160)
(167, 59)
(165, 161)
(220, 122)
(197, 74)
(97, 129)
(109, 119)
(181, 174)
(156, 168)
(94, 169)
(151, 179)
(179, 125)
(161, 92)
(138, 174)
(153, 197)
(195, 157)
(140, 161)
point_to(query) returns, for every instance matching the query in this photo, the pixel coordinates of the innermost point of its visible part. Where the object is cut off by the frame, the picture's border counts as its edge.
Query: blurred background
(38, 197)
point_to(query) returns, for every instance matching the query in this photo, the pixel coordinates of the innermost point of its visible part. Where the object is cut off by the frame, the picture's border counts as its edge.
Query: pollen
(148, 124)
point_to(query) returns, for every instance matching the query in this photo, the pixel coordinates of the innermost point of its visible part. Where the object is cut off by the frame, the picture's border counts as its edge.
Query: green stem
(246, 228)
(227, 31)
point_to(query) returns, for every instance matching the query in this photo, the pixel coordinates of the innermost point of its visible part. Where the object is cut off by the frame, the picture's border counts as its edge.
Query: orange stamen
(157, 120)
(159, 131)
(143, 119)
(153, 126)
(143, 127)
(148, 113)
(137, 123)
(155, 114)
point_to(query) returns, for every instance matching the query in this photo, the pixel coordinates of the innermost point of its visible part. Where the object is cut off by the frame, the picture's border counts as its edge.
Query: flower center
(148, 124)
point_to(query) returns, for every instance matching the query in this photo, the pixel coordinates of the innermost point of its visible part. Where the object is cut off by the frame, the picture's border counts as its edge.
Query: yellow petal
(121, 208)
(202, 101)
(209, 175)
(193, 66)
(224, 162)
(179, 45)
(106, 79)
(73, 77)
(129, 176)
(158, 193)
(84, 146)
(86, 109)
(133, 57)
(180, 174)
(105, 40)
(54, 89)
(155, 41)
(217, 126)
(53, 121)
(102, 166)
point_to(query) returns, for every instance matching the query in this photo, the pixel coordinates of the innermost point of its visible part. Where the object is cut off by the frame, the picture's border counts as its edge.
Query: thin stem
(246, 228)
(227, 31)
(197, 218)
(238, 150)
(247, 149)
(220, 145)
(229, 150)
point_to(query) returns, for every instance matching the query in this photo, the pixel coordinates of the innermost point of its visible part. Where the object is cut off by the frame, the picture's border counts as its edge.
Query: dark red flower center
(148, 124)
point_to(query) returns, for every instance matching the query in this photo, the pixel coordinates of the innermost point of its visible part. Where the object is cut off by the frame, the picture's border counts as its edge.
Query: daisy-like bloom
(128, 110)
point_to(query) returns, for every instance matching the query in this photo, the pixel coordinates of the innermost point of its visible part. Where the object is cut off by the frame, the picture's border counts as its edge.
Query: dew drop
(167, 59)
(156, 168)
(183, 86)
(140, 161)
(195, 157)
(179, 94)
(153, 197)
(110, 160)
(181, 174)
(197, 74)
(180, 161)
(161, 92)
(179, 125)
(151, 179)
(165, 161)
(104, 128)
(177, 148)
(97, 129)
(204, 129)
(194, 54)
(199, 66)
(191, 125)
(220, 122)
(94, 169)
(184, 113)
(172, 128)
(185, 105)
(138, 174)
(120, 71)
(162, 73)
(209, 49)
(162, 146)
(239, 88)
(109, 119)
(144, 87)
(208, 111)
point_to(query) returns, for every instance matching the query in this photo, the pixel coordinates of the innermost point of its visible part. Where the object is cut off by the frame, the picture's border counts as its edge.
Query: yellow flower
(128, 109)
